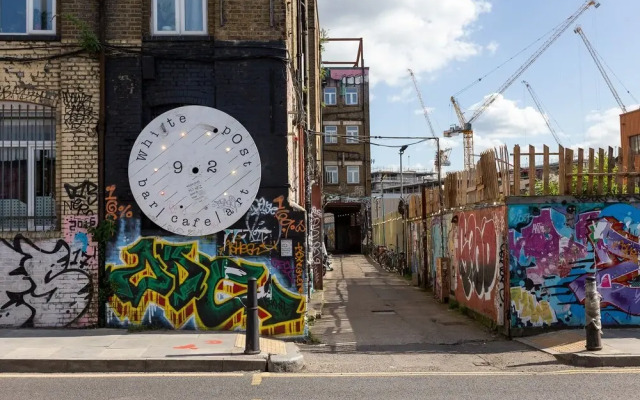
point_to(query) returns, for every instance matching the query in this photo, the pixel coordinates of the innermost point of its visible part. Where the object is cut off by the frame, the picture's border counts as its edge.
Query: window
(331, 175)
(27, 167)
(23, 17)
(352, 134)
(331, 134)
(351, 96)
(179, 17)
(330, 96)
(353, 174)
(634, 143)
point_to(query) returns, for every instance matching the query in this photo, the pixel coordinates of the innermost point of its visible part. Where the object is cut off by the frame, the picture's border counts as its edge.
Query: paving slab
(620, 347)
(111, 350)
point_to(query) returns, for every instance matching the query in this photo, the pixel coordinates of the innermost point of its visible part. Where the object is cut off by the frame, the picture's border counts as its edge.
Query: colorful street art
(554, 247)
(50, 283)
(477, 250)
(178, 286)
(265, 224)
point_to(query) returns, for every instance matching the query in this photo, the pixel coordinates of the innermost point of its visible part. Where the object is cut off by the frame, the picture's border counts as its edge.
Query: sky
(470, 48)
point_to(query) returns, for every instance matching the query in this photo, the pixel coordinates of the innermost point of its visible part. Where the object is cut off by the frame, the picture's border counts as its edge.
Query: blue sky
(449, 44)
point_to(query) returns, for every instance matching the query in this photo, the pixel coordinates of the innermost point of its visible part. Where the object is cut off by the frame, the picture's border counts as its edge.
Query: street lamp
(404, 219)
(402, 149)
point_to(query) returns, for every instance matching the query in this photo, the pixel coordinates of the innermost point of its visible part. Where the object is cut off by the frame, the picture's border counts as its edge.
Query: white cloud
(505, 120)
(424, 35)
(492, 47)
(421, 112)
(604, 129)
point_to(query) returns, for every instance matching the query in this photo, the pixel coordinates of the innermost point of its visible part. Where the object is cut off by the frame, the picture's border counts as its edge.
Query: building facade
(96, 78)
(346, 157)
(49, 176)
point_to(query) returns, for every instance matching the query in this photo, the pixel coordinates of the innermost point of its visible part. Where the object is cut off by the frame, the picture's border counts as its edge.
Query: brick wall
(62, 260)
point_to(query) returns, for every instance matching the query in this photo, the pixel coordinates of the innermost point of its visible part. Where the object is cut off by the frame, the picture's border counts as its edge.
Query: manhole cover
(383, 312)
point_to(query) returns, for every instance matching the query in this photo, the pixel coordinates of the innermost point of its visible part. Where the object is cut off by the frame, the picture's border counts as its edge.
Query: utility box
(441, 286)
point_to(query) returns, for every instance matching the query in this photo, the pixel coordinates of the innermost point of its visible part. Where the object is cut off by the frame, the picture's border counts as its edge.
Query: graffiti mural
(265, 224)
(176, 285)
(79, 111)
(552, 250)
(50, 283)
(82, 197)
(113, 209)
(22, 92)
(477, 250)
(315, 243)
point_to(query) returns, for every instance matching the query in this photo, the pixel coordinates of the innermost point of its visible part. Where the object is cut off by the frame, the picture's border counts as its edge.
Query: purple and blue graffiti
(554, 247)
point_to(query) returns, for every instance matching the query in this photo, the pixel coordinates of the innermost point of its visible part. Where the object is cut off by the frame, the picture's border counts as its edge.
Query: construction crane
(442, 159)
(594, 55)
(544, 115)
(465, 126)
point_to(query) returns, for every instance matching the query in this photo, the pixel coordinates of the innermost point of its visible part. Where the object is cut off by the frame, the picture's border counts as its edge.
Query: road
(567, 385)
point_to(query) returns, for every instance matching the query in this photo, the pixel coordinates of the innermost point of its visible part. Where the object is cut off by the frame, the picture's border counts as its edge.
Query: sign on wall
(194, 170)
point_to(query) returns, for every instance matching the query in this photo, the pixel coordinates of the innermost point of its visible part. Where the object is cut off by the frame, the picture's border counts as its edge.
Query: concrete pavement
(380, 322)
(620, 347)
(110, 350)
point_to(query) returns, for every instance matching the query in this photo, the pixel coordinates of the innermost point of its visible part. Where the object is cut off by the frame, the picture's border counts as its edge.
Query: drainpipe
(102, 9)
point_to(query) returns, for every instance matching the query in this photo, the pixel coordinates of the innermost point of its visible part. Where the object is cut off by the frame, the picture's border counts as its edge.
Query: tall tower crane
(443, 157)
(594, 55)
(544, 115)
(465, 126)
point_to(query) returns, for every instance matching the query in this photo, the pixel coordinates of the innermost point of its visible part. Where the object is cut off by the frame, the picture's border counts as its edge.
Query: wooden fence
(498, 174)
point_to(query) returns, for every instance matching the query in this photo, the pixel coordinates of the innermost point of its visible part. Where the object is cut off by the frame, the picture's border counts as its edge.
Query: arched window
(27, 167)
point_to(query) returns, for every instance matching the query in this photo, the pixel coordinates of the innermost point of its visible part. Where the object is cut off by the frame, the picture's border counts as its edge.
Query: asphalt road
(567, 384)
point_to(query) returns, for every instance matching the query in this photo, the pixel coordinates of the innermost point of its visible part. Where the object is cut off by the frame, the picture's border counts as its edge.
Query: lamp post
(404, 219)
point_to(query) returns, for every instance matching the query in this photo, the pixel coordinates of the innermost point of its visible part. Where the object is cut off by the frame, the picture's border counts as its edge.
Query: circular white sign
(194, 170)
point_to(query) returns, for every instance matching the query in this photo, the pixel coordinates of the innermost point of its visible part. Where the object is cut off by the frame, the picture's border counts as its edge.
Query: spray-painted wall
(480, 277)
(49, 99)
(554, 245)
(473, 241)
(181, 282)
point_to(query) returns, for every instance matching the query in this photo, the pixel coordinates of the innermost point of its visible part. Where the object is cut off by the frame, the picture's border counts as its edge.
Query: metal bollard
(252, 342)
(593, 325)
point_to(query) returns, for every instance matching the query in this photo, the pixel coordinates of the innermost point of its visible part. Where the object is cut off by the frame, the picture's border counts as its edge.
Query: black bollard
(252, 342)
(593, 326)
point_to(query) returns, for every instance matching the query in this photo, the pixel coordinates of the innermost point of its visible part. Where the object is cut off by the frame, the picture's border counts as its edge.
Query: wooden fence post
(516, 170)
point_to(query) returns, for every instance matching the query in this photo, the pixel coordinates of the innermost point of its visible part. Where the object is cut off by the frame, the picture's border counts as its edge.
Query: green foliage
(324, 38)
(89, 40)
(101, 234)
(554, 186)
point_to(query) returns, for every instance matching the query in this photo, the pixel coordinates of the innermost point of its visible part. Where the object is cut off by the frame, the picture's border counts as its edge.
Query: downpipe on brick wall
(593, 325)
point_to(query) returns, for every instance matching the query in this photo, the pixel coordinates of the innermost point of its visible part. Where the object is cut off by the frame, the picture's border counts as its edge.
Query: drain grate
(383, 312)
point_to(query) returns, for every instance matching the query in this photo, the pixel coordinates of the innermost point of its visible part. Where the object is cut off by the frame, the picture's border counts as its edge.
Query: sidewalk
(111, 350)
(620, 347)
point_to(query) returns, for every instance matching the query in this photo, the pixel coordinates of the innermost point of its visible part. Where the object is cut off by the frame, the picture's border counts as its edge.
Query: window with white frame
(352, 134)
(179, 17)
(351, 96)
(330, 134)
(353, 174)
(331, 174)
(27, 17)
(330, 96)
(27, 167)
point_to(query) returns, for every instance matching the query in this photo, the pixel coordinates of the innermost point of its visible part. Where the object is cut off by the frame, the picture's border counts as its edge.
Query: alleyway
(373, 320)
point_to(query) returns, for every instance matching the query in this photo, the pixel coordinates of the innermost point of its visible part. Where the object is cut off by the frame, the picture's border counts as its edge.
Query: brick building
(346, 157)
(49, 173)
(254, 62)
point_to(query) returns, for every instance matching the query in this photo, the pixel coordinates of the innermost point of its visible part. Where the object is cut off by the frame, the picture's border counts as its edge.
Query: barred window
(27, 167)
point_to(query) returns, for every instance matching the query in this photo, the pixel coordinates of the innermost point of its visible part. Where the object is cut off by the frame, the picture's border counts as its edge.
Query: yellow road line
(452, 373)
(123, 375)
(256, 379)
